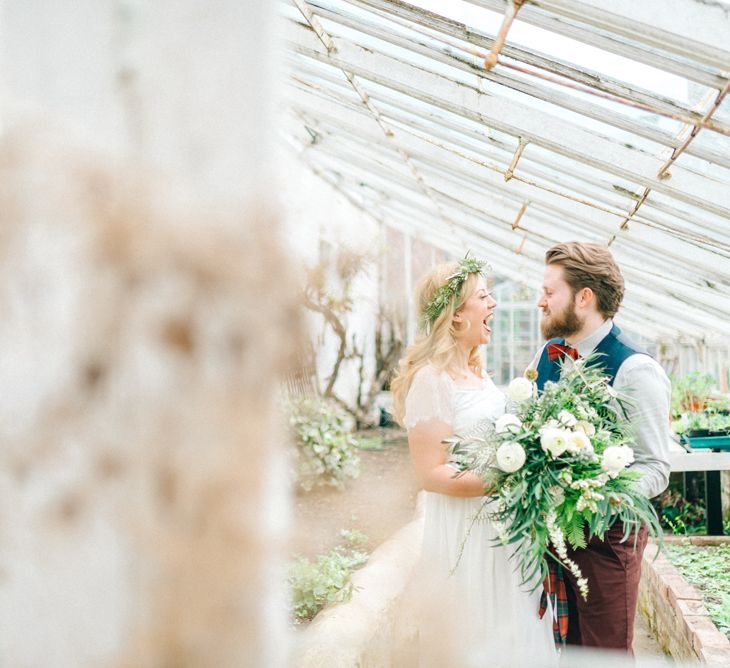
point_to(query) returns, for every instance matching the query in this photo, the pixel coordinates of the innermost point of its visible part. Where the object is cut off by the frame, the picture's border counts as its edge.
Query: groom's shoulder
(633, 364)
(636, 356)
(642, 360)
(626, 341)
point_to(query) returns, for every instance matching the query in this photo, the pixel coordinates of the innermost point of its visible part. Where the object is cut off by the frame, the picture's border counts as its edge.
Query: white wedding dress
(476, 613)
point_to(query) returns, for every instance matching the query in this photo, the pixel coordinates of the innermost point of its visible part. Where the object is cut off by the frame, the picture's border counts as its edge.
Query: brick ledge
(674, 609)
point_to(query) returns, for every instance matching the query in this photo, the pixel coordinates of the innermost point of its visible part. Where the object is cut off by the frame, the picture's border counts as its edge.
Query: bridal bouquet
(558, 465)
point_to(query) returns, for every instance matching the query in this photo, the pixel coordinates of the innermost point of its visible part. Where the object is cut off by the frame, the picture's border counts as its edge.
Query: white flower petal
(520, 389)
(507, 423)
(511, 457)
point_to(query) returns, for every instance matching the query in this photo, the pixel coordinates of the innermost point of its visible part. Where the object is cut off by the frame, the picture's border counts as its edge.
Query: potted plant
(691, 392)
(718, 424)
(697, 425)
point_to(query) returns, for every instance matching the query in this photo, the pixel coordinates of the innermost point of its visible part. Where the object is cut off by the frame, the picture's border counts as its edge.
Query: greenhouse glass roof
(506, 127)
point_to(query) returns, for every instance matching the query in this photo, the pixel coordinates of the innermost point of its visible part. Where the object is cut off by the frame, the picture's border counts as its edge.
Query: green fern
(575, 533)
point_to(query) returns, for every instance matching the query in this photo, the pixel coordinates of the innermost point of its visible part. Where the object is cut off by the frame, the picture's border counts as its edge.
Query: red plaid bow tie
(557, 351)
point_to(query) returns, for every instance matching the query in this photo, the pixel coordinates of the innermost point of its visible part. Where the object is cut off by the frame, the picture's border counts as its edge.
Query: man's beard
(561, 325)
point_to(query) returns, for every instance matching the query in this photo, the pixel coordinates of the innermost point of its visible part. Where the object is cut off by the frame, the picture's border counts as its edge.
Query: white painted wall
(316, 215)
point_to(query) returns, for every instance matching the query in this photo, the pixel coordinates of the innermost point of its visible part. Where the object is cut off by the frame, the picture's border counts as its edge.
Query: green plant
(369, 442)
(559, 468)
(678, 426)
(718, 423)
(676, 513)
(445, 293)
(722, 616)
(719, 404)
(707, 420)
(691, 392)
(354, 537)
(327, 580)
(325, 450)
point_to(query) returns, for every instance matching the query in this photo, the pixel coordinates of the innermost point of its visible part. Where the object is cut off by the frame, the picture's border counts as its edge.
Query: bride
(474, 611)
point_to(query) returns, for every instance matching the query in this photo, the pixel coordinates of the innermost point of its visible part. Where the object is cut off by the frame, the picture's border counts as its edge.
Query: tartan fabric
(554, 586)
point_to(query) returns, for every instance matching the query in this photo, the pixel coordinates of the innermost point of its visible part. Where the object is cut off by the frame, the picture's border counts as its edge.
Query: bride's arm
(428, 455)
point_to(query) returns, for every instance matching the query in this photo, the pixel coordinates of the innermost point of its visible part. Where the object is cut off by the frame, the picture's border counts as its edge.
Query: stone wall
(374, 629)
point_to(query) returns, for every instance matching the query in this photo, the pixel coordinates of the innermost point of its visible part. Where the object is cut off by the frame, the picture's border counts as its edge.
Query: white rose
(510, 457)
(615, 458)
(567, 419)
(579, 442)
(554, 441)
(520, 389)
(586, 427)
(507, 423)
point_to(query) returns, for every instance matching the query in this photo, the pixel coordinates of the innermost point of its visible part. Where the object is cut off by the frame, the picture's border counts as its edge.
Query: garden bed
(704, 561)
(675, 609)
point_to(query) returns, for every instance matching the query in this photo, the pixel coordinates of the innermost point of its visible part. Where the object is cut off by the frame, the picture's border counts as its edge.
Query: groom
(583, 288)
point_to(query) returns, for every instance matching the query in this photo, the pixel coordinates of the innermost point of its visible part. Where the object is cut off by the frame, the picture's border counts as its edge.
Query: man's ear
(586, 296)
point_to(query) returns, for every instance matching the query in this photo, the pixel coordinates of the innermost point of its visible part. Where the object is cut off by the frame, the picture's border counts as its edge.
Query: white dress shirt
(644, 383)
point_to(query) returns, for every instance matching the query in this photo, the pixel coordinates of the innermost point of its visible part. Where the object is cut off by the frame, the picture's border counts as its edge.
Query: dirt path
(378, 503)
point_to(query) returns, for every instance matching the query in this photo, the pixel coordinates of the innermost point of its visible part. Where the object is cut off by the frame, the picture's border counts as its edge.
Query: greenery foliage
(696, 409)
(327, 580)
(691, 392)
(683, 511)
(446, 292)
(678, 514)
(324, 448)
(707, 420)
(573, 482)
(369, 442)
(706, 567)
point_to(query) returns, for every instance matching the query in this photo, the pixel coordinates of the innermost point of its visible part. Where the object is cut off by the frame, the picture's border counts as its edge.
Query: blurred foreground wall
(146, 317)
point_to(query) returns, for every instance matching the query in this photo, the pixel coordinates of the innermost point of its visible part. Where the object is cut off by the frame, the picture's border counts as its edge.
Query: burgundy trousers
(613, 570)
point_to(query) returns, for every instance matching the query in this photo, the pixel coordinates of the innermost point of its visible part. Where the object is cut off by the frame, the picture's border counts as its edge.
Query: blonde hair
(436, 343)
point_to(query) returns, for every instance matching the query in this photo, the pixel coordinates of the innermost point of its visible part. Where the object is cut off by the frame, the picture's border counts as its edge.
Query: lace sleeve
(431, 397)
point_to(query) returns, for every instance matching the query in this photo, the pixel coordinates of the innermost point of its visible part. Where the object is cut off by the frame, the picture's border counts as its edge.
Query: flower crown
(469, 265)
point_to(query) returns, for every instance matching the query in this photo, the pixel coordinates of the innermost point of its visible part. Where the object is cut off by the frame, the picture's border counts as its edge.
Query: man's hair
(587, 265)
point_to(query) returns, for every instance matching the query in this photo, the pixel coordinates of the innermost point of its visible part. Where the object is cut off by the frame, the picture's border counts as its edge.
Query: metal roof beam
(613, 43)
(670, 304)
(472, 65)
(532, 125)
(331, 49)
(412, 16)
(443, 164)
(598, 191)
(692, 29)
(691, 297)
(632, 310)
